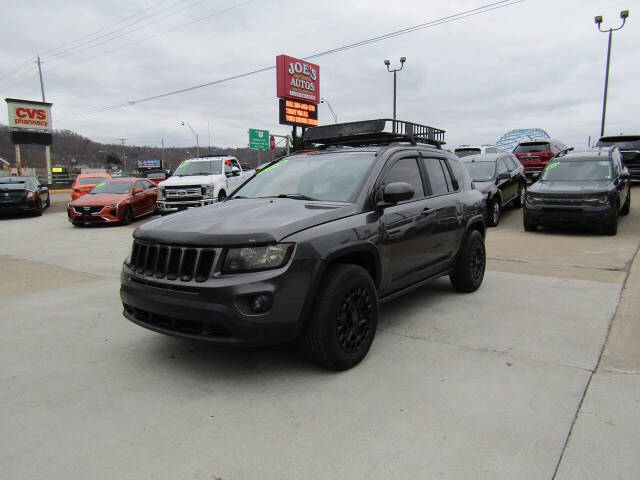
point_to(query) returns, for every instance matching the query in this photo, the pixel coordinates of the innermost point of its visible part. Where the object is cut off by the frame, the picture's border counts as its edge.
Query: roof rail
(383, 131)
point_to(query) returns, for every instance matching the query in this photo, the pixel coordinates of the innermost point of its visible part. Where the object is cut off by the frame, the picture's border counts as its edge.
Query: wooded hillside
(69, 149)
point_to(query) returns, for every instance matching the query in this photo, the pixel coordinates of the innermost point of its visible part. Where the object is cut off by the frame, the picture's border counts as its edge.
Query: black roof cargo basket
(373, 132)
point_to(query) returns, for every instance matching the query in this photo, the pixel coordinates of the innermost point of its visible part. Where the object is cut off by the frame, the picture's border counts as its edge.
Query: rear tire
(469, 270)
(626, 207)
(345, 317)
(48, 203)
(39, 209)
(494, 212)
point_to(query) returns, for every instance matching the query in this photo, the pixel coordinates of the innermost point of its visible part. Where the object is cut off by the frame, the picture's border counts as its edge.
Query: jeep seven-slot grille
(172, 262)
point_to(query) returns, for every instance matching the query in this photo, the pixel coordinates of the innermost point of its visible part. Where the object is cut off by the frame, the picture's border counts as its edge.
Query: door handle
(426, 211)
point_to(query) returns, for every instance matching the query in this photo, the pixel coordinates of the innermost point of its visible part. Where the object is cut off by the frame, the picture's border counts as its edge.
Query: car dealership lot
(485, 385)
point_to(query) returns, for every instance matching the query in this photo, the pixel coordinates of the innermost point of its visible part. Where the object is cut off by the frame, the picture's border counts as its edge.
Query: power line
(433, 23)
(216, 13)
(79, 48)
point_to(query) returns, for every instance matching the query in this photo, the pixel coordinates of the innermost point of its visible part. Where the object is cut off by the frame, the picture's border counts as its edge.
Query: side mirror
(235, 171)
(397, 192)
(625, 175)
(137, 190)
(504, 176)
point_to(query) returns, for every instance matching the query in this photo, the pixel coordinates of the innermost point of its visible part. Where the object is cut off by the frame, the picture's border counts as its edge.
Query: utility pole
(47, 148)
(124, 158)
(162, 143)
(209, 130)
(624, 14)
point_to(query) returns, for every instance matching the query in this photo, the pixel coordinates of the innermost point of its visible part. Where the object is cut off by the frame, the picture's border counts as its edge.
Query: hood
(242, 221)
(484, 187)
(586, 187)
(176, 181)
(100, 199)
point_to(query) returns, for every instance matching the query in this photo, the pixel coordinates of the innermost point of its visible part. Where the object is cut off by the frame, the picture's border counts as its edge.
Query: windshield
(628, 142)
(92, 180)
(577, 171)
(112, 187)
(326, 177)
(465, 152)
(200, 167)
(481, 171)
(531, 147)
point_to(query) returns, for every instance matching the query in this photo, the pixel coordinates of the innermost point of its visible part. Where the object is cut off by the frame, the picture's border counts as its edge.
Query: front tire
(472, 260)
(522, 192)
(494, 212)
(528, 225)
(345, 317)
(128, 216)
(222, 196)
(612, 227)
(626, 207)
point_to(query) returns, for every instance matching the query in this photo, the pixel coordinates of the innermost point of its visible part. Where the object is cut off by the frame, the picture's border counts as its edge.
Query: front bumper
(19, 206)
(165, 206)
(106, 215)
(591, 216)
(217, 310)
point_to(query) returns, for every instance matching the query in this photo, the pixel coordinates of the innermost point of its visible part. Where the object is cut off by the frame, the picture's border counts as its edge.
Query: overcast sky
(538, 63)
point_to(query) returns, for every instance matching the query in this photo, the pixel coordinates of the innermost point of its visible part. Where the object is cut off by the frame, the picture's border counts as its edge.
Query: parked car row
(23, 195)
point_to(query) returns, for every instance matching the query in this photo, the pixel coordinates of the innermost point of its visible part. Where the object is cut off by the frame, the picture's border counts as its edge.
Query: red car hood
(100, 199)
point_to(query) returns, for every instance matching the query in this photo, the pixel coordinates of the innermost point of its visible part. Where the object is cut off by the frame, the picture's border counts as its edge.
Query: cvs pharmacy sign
(29, 115)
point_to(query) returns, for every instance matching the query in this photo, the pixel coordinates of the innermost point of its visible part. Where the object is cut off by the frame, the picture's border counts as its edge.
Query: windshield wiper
(295, 196)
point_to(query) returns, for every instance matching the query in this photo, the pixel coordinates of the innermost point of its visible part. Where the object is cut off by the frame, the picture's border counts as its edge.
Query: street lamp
(624, 14)
(395, 70)
(335, 117)
(195, 135)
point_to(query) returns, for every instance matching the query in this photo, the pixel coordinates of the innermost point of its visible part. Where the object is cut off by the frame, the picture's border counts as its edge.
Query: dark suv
(311, 245)
(629, 146)
(589, 188)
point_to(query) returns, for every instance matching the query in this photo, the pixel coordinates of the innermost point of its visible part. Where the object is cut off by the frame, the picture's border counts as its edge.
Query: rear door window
(436, 175)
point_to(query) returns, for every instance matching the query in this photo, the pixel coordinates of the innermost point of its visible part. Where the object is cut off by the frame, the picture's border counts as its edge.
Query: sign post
(258, 139)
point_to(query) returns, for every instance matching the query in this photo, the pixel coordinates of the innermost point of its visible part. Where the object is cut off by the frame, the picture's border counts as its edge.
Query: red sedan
(85, 182)
(119, 200)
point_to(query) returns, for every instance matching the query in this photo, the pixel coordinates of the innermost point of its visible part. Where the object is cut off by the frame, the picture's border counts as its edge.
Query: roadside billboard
(297, 79)
(29, 115)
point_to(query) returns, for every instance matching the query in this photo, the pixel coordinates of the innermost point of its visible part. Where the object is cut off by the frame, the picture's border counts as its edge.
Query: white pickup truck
(200, 181)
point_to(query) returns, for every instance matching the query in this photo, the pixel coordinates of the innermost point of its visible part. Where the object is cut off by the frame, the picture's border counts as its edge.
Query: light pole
(335, 117)
(624, 14)
(195, 135)
(395, 70)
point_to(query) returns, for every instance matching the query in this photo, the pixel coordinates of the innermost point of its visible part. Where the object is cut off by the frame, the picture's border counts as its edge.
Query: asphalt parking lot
(534, 376)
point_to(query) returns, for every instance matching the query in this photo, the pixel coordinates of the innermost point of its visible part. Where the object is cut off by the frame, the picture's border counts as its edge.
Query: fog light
(260, 303)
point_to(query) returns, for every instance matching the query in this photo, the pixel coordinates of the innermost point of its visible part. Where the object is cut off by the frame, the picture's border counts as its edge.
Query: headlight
(247, 259)
(111, 206)
(208, 191)
(596, 199)
(160, 193)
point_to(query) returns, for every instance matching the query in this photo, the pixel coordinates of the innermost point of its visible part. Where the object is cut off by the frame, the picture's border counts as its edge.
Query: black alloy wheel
(470, 266)
(222, 196)
(343, 324)
(48, 202)
(353, 324)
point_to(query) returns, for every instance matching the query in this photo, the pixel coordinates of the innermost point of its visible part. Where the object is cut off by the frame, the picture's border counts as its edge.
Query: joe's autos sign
(297, 79)
(29, 115)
